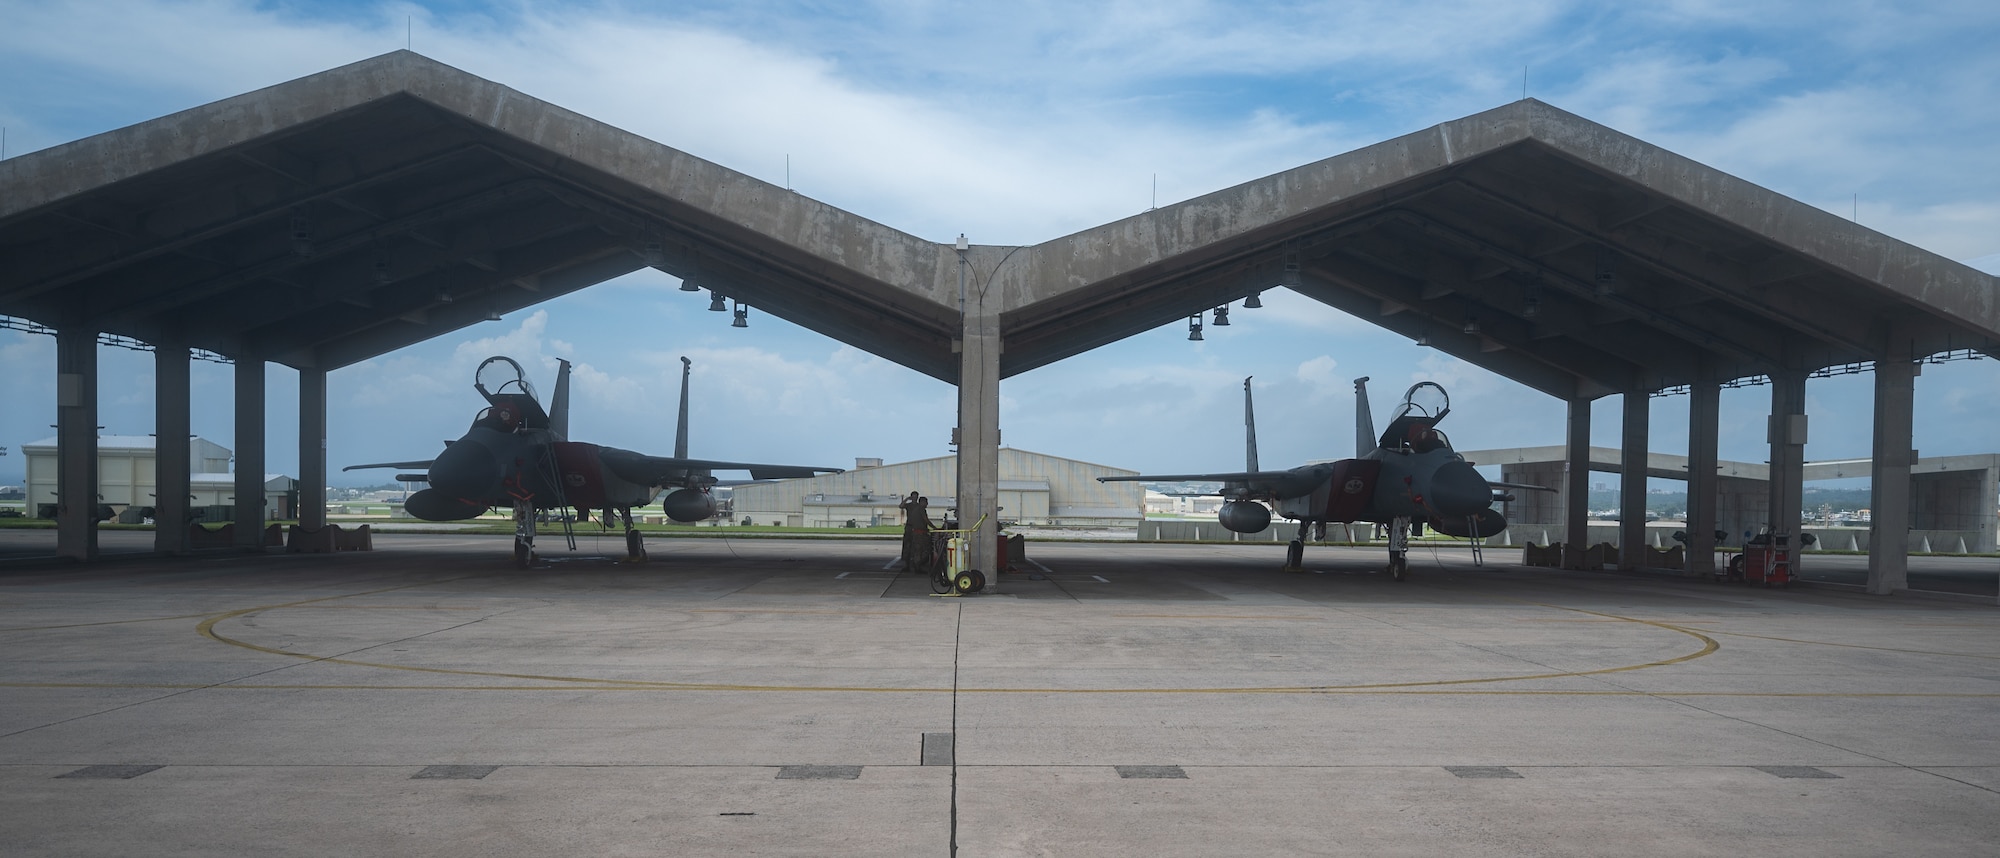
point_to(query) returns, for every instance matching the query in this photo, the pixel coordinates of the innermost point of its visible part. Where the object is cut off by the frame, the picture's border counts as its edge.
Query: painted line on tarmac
(1857, 646)
(207, 629)
(669, 687)
(1038, 565)
(800, 611)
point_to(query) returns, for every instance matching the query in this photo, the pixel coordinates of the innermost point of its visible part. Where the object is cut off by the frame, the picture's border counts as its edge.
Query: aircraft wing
(1253, 479)
(421, 464)
(662, 470)
(1530, 486)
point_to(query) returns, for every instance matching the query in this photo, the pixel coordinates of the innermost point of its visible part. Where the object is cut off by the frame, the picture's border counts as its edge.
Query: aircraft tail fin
(681, 428)
(1249, 430)
(1364, 422)
(559, 403)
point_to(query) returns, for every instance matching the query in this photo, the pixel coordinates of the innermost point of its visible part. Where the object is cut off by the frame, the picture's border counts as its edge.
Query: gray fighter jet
(517, 455)
(1405, 478)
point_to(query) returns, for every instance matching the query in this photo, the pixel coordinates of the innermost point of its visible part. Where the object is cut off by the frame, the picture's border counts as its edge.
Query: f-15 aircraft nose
(1457, 490)
(467, 470)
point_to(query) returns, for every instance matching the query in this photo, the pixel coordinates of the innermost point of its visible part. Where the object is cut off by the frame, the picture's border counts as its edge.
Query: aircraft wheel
(1399, 568)
(966, 583)
(635, 545)
(1295, 556)
(523, 555)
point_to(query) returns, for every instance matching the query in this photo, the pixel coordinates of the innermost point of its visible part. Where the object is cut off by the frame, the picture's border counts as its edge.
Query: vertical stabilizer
(1249, 429)
(559, 403)
(681, 429)
(1364, 422)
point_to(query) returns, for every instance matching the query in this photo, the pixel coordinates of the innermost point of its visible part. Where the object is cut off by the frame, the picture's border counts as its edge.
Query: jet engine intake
(1244, 516)
(435, 505)
(688, 505)
(1485, 523)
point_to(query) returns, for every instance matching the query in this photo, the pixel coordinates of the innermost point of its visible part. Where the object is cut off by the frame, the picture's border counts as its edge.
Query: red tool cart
(1769, 559)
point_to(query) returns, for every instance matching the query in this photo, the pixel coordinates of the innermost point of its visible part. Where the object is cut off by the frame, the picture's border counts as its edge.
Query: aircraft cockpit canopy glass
(500, 374)
(1414, 425)
(505, 385)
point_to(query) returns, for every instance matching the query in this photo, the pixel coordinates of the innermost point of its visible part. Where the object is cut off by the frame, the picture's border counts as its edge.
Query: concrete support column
(1889, 477)
(979, 430)
(1576, 479)
(171, 438)
(1704, 429)
(1636, 436)
(312, 449)
(249, 452)
(76, 442)
(1788, 453)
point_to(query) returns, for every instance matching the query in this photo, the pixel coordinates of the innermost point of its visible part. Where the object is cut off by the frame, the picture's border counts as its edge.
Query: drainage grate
(453, 773)
(938, 749)
(818, 773)
(1796, 772)
(1482, 771)
(1151, 772)
(123, 773)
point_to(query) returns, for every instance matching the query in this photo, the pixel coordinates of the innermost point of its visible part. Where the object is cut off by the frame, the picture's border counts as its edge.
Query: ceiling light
(1471, 324)
(1424, 339)
(655, 254)
(1194, 328)
(742, 319)
(444, 297)
(1222, 316)
(492, 315)
(715, 302)
(1531, 308)
(1253, 302)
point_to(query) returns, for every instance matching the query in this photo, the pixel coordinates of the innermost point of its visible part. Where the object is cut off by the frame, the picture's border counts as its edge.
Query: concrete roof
(1668, 466)
(346, 214)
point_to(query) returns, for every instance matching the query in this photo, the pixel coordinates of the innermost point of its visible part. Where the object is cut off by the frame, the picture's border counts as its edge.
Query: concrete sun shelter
(343, 215)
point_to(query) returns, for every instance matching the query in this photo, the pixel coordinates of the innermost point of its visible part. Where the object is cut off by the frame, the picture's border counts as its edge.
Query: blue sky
(1020, 122)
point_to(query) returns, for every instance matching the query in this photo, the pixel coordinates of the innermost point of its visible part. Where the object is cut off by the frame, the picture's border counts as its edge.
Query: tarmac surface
(801, 698)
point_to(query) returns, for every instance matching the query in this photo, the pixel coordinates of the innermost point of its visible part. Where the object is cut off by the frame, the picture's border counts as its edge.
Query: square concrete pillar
(312, 449)
(1636, 435)
(979, 426)
(1889, 476)
(1704, 429)
(1787, 437)
(171, 453)
(1576, 479)
(76, 442)
(249, 452)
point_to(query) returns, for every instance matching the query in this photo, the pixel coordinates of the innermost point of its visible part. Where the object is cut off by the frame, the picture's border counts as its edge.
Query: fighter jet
(518, 456)
(1406, 478)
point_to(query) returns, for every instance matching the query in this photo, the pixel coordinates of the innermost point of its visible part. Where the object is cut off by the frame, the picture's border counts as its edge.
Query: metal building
(1035, 489)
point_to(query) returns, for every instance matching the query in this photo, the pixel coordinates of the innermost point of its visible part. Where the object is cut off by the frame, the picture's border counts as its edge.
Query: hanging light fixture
(1194, 328)
(715, 302)
(742, 319)
(444, 297)
(1253, 302)
(1471, 324)
(688, 285)
(655, 254)
(1222, 316)
(1424, 339)
(492, 315)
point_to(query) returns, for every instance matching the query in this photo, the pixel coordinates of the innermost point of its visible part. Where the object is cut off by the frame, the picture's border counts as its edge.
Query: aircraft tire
(1399, 568)
(523, 555)
(1295, 556)
(635, 545)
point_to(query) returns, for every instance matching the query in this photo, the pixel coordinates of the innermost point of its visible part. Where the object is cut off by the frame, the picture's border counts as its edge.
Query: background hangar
(346, 214)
